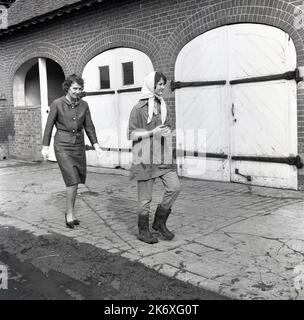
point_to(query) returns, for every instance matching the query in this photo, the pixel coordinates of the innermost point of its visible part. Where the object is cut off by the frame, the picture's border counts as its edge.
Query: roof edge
(48, 16)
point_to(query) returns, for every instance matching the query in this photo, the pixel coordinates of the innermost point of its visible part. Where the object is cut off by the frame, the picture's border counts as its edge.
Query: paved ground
(239, 241)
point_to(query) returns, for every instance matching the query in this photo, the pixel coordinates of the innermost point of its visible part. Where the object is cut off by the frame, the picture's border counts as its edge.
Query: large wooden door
(250, 118)
(201, 111)
(265, 113)
(113, 81)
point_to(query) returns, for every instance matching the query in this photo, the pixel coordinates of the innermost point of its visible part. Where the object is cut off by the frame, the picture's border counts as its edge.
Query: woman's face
(75, 91)
(160, 86)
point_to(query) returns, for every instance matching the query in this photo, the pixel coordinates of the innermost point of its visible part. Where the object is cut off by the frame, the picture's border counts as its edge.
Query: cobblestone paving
(239, 241)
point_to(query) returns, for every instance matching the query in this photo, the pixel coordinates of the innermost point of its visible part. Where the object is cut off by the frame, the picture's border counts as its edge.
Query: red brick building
(234, 67)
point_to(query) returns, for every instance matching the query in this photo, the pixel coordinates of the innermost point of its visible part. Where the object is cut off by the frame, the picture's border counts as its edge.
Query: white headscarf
(148, 92)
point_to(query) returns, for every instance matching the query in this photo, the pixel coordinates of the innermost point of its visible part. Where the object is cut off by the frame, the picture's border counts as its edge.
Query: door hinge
(291, 161)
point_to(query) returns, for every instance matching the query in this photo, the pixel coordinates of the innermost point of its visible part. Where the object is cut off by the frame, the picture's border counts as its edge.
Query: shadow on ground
(54, 267)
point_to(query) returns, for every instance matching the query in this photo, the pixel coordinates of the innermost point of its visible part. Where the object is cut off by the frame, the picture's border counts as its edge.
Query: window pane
(104, 77)
(128, 73)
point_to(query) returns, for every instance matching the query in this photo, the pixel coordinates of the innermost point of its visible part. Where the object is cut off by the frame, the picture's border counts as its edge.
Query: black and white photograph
(151, 151)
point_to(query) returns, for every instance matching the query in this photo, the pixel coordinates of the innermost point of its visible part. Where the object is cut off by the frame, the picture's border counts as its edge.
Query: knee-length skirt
(72, 162)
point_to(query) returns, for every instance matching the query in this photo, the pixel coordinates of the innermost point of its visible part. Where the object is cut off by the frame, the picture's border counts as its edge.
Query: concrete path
(239, 241)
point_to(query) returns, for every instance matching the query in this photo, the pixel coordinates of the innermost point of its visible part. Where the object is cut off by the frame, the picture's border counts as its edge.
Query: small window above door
(104, 72)
(128, 73)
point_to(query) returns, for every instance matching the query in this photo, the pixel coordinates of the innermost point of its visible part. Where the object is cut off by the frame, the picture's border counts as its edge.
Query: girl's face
(75, 90)
(160, 86)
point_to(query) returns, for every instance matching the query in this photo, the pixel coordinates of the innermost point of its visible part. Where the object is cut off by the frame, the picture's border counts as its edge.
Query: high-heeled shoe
(69, 224)
(76, 222)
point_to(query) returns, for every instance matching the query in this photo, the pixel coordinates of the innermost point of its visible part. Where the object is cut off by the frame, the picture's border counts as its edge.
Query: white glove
(98, 150)
(45, 152)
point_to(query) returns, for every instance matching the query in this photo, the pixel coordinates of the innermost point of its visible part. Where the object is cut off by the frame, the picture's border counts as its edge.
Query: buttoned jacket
(70, 119)
(151, 157)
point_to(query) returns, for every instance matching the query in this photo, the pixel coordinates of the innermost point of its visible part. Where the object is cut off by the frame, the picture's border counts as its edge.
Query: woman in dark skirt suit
(70, 114)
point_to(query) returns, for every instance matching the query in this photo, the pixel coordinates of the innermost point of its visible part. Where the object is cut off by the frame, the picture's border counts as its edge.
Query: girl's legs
(172, 190)
(145, 189)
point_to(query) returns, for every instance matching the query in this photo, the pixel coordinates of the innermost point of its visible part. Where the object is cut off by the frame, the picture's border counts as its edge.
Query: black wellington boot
(159, 223)
(144, 233)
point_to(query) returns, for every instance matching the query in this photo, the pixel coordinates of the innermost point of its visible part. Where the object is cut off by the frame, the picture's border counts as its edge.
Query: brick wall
(27, 143)
(158, 28)
(6, 116)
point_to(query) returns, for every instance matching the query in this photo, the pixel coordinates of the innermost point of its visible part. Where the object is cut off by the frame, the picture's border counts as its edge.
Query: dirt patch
(56, 267)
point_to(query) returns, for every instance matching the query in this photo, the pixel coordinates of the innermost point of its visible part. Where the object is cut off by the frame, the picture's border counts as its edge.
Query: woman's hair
(70, 80)
(158, 77)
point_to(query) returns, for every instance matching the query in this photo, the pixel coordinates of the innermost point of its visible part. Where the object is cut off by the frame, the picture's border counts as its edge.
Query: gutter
(48, 16)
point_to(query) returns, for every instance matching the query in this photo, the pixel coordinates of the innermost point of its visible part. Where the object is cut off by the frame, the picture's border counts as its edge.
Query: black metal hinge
(180, 84)
(291, 161)
(290, 75)
(197, 154)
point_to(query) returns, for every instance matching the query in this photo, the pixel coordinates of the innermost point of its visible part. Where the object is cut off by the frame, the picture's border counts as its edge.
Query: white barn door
(265, 113)
(201, 111)
(113, 81)
(250, 126)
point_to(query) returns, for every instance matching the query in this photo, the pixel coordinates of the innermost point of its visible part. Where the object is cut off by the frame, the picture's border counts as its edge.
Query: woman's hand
(158, 131)
(45, 152)
(98, 150)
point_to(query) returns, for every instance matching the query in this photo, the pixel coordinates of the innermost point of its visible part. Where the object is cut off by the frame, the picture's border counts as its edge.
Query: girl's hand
(166, 131)
(158, 131)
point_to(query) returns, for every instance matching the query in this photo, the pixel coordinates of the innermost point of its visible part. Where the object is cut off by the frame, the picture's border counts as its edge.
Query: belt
(72, 131)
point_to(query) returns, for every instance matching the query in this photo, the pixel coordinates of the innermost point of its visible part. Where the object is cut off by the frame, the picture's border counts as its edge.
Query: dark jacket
(151, 157)
(70, 119)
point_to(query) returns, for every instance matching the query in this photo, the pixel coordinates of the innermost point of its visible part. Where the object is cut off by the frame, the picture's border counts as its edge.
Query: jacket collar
(68, 102)
(144, 102)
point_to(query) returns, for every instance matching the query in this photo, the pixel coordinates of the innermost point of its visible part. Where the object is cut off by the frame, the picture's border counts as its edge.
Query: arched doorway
(113, 81)
(237, 85)
(36, 84)
(55, 78)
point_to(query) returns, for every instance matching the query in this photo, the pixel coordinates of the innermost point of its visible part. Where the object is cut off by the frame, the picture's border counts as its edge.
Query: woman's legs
(71, 193)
